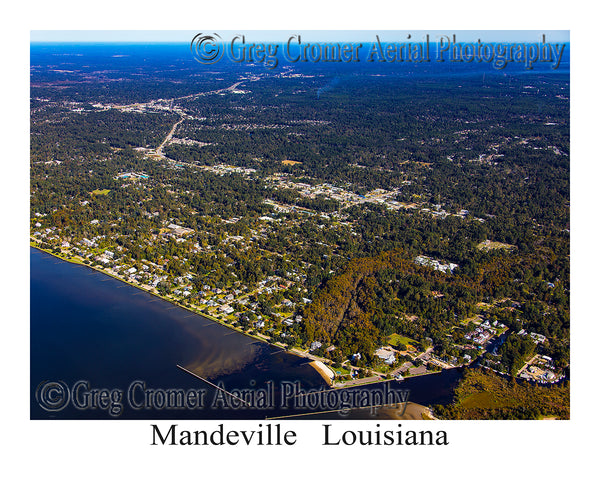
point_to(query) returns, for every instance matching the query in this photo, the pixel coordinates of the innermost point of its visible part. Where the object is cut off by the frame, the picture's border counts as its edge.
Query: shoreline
(166, 299)
(324, 371)
(315, 362)
(76, 261)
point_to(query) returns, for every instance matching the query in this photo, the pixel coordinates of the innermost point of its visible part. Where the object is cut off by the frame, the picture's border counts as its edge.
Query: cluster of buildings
(189, 142)
(131, 176)
(540, 369)
(223, 169)
(178, 230)
(342, 195)
(480, 336)
(47, 234)
(536, 337)
(387, 355)
(388, 198)
(483, 333)
(435, 264)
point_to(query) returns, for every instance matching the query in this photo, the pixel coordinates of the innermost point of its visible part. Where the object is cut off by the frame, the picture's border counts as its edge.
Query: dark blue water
(108, 344)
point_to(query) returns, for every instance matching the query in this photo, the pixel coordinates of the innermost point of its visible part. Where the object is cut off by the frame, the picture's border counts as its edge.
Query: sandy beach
(413, 411)
(324, 371)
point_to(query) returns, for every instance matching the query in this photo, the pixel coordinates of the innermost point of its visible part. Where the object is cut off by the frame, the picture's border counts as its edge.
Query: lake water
(102, 349)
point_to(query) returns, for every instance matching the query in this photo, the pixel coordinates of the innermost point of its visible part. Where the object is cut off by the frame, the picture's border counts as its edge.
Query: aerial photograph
(303, 225)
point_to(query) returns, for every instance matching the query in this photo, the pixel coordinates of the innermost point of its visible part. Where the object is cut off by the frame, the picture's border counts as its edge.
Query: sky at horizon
(185, 36)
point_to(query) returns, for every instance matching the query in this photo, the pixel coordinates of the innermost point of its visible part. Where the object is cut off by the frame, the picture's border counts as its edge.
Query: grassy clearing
(341, 371)
(101, 192)
(488, 245)
(395, 339)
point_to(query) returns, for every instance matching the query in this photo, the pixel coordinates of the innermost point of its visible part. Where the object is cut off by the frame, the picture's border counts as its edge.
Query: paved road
(169, 136)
